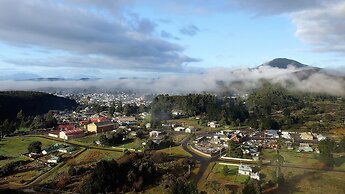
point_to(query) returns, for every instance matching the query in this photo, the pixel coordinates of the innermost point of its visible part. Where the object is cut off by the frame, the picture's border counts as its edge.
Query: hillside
(32, 103)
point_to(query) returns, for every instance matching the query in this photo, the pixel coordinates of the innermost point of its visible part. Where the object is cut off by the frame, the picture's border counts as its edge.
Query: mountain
(61, 79)
(283, 63)
(32, 103)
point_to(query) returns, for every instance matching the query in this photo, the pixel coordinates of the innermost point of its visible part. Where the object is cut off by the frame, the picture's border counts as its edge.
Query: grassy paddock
(176, 151)
(15, 147)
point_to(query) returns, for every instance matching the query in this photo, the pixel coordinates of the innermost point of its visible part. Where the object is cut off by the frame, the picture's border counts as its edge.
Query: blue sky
(150, 38)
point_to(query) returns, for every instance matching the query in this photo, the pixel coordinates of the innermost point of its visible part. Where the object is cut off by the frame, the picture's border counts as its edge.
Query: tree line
(209, 107)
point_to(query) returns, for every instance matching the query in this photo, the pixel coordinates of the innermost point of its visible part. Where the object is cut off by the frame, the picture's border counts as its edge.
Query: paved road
(77, 144)
(204, 161)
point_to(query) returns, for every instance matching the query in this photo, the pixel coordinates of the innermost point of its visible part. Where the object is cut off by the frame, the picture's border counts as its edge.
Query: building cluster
(251, 141)
(106, 99)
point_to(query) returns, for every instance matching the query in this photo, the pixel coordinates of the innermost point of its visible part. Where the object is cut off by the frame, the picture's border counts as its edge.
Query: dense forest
(268, 107)
(210, 107)
(31, 103)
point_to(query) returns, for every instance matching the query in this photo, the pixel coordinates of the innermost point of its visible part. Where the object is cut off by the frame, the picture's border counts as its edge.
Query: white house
(154, 133)
(248, 171)
(213, 124)
(320, 137)
(179, 129)
(54, 159)
(190, 129)
(245, 170)
(286, 135)
(271, 133)
(148, 125)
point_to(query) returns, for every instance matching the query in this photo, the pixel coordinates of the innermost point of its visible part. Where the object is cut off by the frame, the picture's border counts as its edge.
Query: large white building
(248, 171)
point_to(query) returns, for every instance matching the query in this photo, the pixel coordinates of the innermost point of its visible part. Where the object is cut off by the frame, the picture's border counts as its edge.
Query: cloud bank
(92, 33)
(214, 80)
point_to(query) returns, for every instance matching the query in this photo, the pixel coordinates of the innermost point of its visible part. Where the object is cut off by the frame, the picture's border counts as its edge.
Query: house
(248, 171)
(320, 137)
(71, 134)
(200, 139)
(154, 133)
(65, 126)
(54, 134)
(176, 113)
(84, 123)
(271, 133)
(101, 127)
(98, 119)
(148, 125)
(304, 147)
(190, 129)
(66, 149)
(179, 129)
(34, 155)
(286, 135)
(306, 136)
(54, 160)
(213, 124)
(52, 148)
(126, 120)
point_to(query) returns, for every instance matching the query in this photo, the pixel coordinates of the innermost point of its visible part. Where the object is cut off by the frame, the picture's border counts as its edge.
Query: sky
(111, 39)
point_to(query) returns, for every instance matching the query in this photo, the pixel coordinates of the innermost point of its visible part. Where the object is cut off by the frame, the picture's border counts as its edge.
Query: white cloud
(214, 80)
(104, 36)
(323, 27)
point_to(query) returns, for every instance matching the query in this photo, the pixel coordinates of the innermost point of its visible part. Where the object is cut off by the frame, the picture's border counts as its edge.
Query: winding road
(204, 161)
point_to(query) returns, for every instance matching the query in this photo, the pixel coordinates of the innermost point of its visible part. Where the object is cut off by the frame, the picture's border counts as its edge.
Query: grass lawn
(218, 182)
(14, 147)
(134, 144)
(23, 129)
(88, 157)
(90, 139)
(292, 157)
(309, 181)
(22, 177)
(178, 137)
(176, 150)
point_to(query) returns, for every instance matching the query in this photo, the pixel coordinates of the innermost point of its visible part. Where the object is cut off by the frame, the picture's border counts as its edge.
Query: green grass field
(311, 181)
(218, 182)
(90, 139)
(14, 147)
(88, 157)
(176, 151)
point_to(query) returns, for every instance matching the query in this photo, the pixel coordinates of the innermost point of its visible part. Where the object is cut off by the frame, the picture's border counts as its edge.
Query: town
(112, 127)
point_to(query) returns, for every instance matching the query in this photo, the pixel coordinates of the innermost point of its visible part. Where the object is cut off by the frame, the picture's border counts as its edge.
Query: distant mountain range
(303, 71)
(60, 79)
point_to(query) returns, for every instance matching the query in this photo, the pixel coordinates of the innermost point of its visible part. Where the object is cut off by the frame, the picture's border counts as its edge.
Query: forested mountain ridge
(31, 103)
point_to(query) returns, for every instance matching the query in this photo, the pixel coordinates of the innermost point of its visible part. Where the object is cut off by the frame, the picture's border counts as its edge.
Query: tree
(6, 128)
(20, 117)
(102, 179)
(226, 170)
(142, 108)
(181, 186)
(341, 145)
(37, 122)
(252, 187)
(111, 109)
(278, 160)
(326, 148)
(103, 139)
(119, 107)
(35, 147)
(49, 120)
